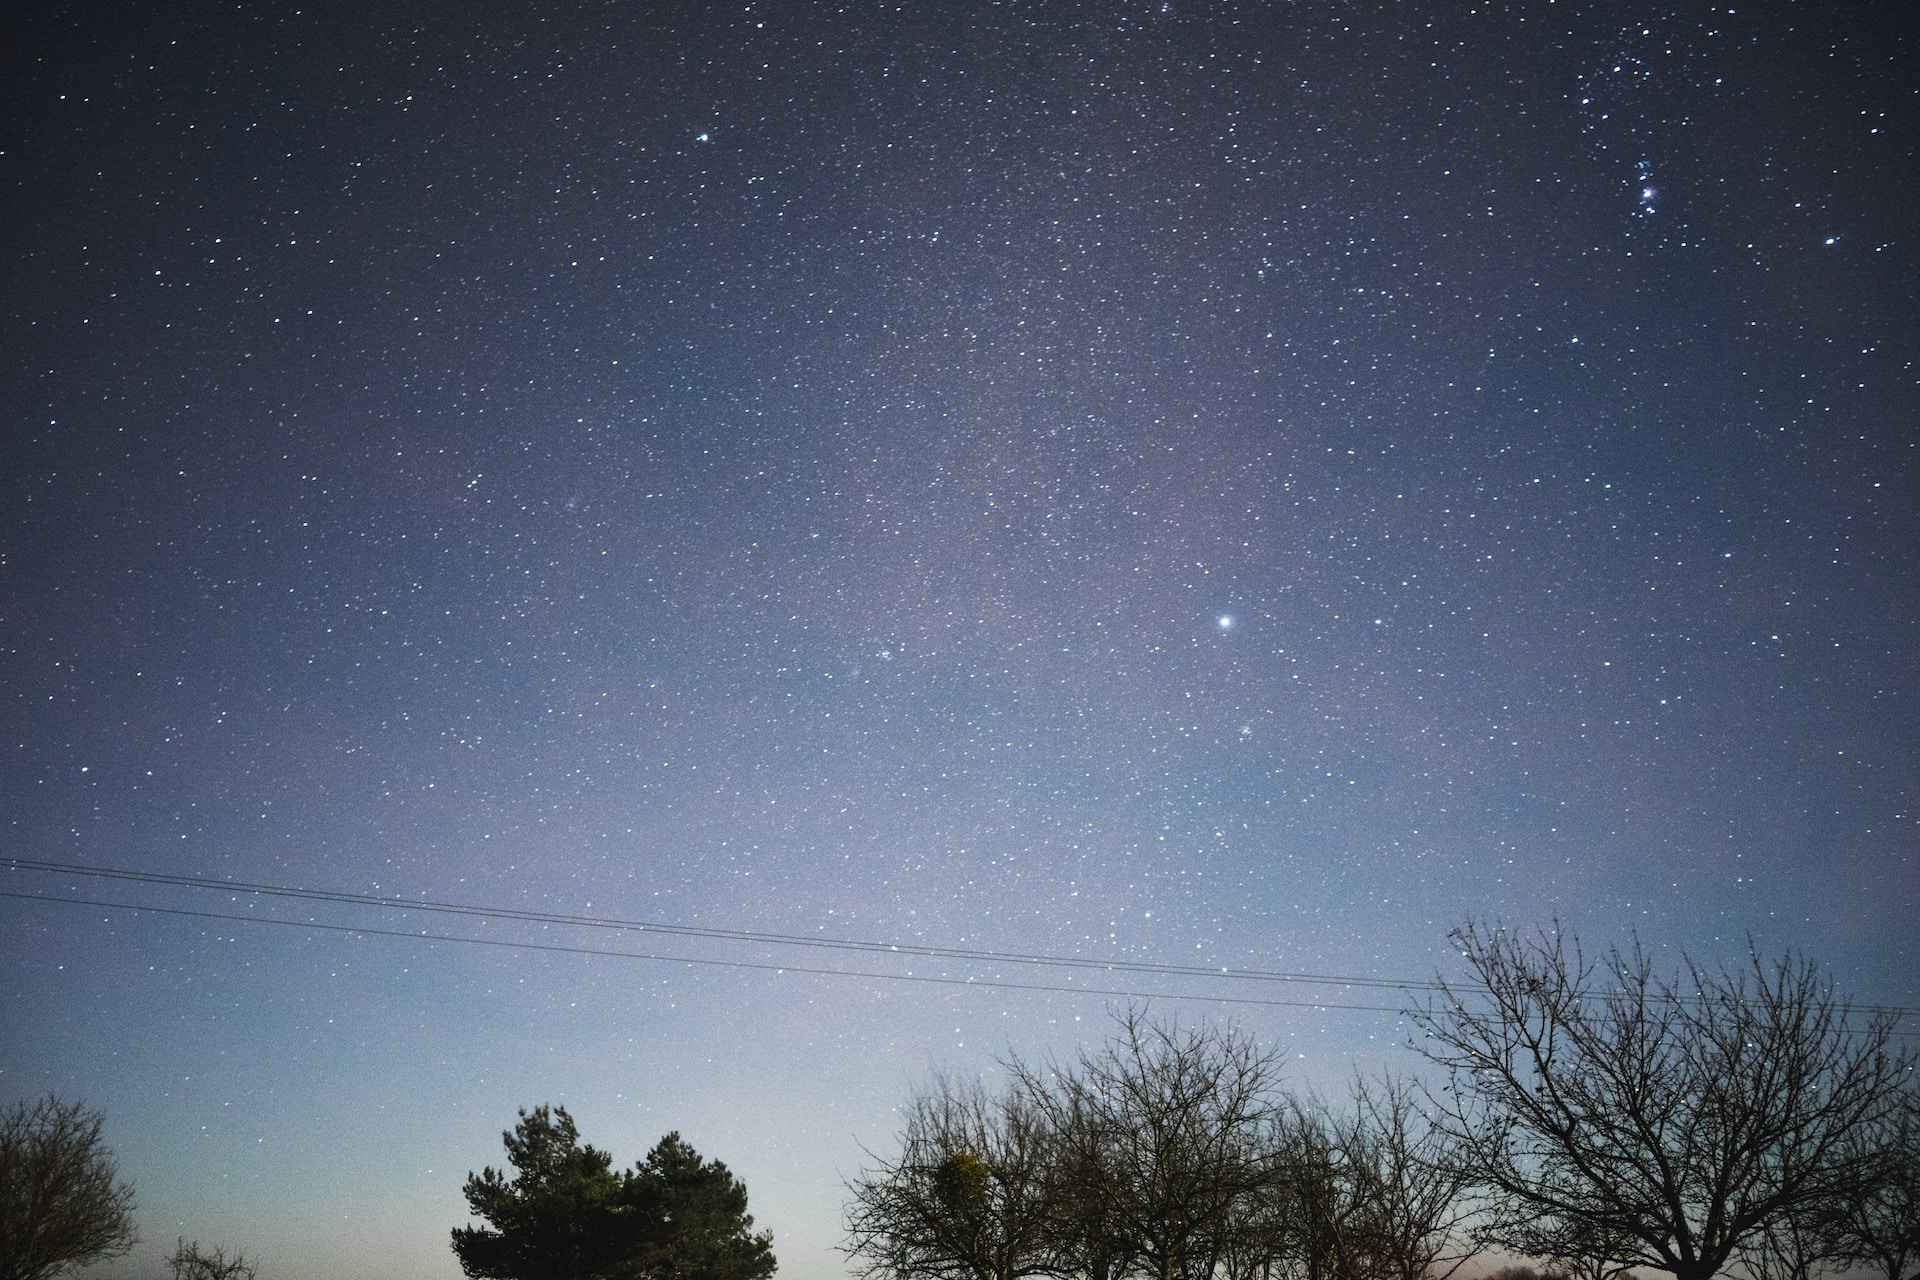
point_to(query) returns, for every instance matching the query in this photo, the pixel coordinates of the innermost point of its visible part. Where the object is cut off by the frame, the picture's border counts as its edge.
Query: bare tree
(1526, 1271)
(1795, 1246)
(1086, 1222)
(1374, 1192)
(1409, 1185)
(1167, 1124)
(1678, 1116)
(1591, 1254)
(1590, 1266)
(1880, 1226)
(190, 1262)
(61, 1204)
(966, 1198)
(1327, 1220)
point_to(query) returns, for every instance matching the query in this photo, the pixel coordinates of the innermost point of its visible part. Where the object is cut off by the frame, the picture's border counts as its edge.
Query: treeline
(1169, 1154)
(1595, 1115)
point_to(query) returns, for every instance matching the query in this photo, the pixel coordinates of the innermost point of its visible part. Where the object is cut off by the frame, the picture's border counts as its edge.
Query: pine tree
(565, 1214)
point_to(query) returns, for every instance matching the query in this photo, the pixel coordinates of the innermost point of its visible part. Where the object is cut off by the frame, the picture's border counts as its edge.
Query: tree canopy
(1675, 1119)
(61, 1201)
(969, 1197)
(1166, 1154)
(564, 1213)
(1592, 1114)
(190, 1262)
(1879, 1228)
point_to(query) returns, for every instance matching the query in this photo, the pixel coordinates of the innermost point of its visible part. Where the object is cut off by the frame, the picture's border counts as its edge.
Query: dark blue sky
(1230, 485)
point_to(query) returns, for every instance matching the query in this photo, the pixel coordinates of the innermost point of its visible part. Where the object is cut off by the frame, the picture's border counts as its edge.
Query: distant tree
(1086, 1214)
(1372, 1192)
(1795, 1246)
(966, 1198)
(565, 1214)
(191, 1262)
(1589, 1254)
(1880, 1227)
(1676, 1117)
(1406, 1182)
(1316, 1220)
(61, 1204)
(1263, 1235)
(1164, 1154)
(1590, 1266)
(1165, 1128)
(1525, 1271)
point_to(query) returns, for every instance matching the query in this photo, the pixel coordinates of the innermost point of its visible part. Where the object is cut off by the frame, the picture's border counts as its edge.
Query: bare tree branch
(1673, 1118)
(1880, 1226)
(61, 1204)
(191, 1262)
(1168, 1124)
(966, 1198)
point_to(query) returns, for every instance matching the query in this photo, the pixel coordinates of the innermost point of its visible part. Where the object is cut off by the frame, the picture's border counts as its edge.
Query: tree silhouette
(556, 1218)
(1164, 1128)
(61, 1204)
(967, 1198)
(1673, 1117)
(698, 1224)
(191, 1262)
(565, 1214)
(1880, 1227)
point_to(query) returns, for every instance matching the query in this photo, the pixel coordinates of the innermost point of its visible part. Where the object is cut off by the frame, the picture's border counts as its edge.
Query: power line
(977, 955)
(762, 966)
(701, 931)
(995, 984)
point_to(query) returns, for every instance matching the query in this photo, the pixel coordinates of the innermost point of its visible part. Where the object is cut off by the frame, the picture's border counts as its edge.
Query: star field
(1220, 485)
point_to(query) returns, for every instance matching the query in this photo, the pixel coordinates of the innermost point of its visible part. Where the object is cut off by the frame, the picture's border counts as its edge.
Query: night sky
(1224, 485)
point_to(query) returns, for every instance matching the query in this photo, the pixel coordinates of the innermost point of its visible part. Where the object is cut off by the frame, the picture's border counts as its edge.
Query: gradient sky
(1234, 485)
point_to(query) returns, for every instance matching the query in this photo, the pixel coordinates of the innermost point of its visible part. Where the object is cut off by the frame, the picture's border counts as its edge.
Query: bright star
(1224, 622)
